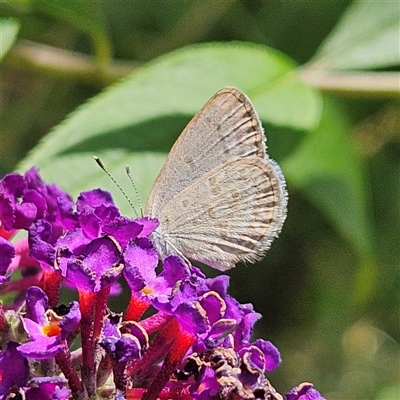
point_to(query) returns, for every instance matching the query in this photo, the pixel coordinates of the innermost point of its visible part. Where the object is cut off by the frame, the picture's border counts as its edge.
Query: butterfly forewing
(226, 127)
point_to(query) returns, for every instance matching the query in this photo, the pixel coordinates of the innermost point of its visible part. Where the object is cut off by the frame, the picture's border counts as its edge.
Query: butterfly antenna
(103, 167)
(128, 172)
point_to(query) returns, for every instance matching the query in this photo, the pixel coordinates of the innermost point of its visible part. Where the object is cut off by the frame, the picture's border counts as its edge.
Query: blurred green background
(323, 76)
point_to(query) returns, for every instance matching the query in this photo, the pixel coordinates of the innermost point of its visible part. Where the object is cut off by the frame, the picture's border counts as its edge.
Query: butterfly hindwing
(231, 214)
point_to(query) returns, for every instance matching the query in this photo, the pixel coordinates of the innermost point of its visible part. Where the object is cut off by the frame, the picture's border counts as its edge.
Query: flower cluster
(181, 335)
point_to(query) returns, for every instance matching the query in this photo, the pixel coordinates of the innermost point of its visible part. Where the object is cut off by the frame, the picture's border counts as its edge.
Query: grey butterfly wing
(231, 214)
(226, 127)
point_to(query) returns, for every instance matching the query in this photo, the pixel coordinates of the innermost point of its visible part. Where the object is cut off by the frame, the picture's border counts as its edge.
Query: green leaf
(148, 110)
(367, 37)
(9, 29)
(328, 170)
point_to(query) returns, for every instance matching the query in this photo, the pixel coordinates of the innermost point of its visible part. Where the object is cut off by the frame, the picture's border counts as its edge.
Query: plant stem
(81, 67)
(62, 63)
(385, 85)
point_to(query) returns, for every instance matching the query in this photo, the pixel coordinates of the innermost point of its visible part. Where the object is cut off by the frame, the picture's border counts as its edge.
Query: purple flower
(246, 317)
(255, 360)
(14, 369)
(194, 344)
(95, 208)
(98, 216)
(45, 241)
(41, 244)
(30, 272)
(15, 213)
(123, 341)
(304, 391)
(271, 355)
(222, 371)
(25, 199)
(7, 253)
(52, 203)
(46, 330)
(91, 266)
(184, 302)
(141, 260)
(206, 386)
(26, 202)
(49, 388)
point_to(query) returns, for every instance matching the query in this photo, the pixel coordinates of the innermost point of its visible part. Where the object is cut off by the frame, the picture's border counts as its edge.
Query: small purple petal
(13, 185)
(14, 369)
(40, 237)
(98, 266)
(95, 208)
(206, 386)
(47, 388)
(219, 284)
(90, 223)
(249, 317)
(192, 318)
(67, 217)
(7, 253)
(123, 349)
(174, 269)
(7, 211)
(33, 197)
(75, 241)
(123, 230)
(126, 346)
(214, 306)
(304, 391)
(12, 188)
(33, 179)
(140, 263)
(71, 320)
(94, 198)
(40, 347)
(271, 354)
(25, 215)
(36, 305)
(101, 254)
(149, 225)
(47, 199)
(79, 275)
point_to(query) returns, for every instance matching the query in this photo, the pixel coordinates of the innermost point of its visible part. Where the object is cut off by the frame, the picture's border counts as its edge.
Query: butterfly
(219, 198)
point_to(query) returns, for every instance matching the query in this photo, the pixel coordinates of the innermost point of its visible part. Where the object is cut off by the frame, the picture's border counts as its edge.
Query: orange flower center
(52, 329)
(147, 290)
